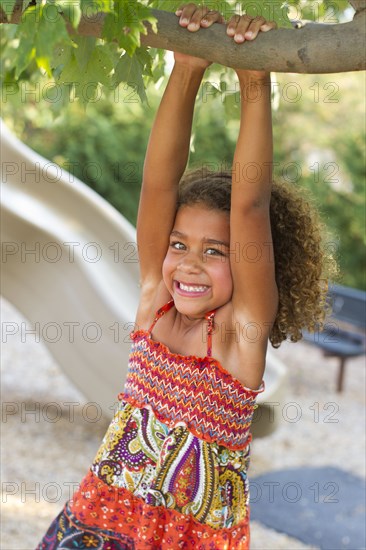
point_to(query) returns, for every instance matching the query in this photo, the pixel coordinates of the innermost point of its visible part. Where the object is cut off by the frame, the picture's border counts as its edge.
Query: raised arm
(165, 162)
(168, 150)
(255, 294)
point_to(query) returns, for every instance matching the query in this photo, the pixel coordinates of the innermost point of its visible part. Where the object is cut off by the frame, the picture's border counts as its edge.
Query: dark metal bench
(344, 333)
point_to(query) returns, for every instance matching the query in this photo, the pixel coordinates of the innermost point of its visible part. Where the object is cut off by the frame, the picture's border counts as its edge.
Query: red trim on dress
(114, 508)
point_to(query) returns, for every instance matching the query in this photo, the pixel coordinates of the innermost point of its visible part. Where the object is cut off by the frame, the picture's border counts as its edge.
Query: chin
(188, 308)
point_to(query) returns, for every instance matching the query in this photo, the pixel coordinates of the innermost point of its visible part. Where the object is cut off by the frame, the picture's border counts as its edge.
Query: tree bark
(358, 5)
(312, 49)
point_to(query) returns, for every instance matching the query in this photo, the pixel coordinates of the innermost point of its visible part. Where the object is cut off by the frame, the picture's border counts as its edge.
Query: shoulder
(153, 295)
(240, 342)
(243, 323)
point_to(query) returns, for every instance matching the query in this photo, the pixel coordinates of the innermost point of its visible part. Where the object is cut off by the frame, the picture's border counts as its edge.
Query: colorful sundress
(171, 472)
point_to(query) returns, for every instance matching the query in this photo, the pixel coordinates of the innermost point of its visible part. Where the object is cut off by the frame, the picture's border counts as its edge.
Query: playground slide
(69, 265)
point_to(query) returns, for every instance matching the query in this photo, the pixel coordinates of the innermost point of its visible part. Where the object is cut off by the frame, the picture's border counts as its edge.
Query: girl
(227, 263)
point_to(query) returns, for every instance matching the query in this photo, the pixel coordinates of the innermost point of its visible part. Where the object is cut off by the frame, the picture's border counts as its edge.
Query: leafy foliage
(42, 64)
(86, 64)
(37, 37)
(318, 136)
(8, 7)
(88, 67)
(326, 11)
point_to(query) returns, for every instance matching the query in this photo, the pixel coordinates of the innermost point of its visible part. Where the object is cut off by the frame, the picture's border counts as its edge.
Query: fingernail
(178, 12)
(230, 32)
(249, 35)
(192, 26)
(204, 22)
(239, 38)
(265, 28)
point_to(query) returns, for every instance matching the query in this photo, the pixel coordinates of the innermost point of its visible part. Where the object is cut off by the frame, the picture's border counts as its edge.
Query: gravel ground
(45, 453)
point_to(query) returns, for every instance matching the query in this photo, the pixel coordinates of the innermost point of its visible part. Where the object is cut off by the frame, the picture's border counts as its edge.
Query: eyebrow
(209, 241)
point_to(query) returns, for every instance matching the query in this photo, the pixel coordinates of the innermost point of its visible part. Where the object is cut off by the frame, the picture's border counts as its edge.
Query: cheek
(168, 265)
(222, 275)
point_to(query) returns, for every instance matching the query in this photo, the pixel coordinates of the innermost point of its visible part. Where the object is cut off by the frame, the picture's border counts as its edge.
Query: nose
(190, 264)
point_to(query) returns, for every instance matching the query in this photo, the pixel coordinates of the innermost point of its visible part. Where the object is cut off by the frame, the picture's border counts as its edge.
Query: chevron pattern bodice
(197, 392)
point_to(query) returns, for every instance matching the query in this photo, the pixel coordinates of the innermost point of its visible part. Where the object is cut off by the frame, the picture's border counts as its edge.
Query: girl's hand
(193, 18)
(245, 27)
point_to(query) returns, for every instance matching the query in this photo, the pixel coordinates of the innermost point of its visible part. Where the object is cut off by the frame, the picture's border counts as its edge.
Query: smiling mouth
(191, 290)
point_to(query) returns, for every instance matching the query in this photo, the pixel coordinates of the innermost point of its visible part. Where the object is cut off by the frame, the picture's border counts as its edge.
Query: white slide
(70, 266)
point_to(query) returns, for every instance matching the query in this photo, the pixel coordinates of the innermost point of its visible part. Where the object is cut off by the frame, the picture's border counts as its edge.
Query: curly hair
(304, 263)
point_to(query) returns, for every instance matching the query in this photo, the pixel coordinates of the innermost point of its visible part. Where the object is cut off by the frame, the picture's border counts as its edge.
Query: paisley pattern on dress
(171, 472)
(63, 534)
(171, 467)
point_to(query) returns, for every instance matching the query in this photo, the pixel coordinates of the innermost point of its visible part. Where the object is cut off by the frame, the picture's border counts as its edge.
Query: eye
(177, 245)
(214, 252)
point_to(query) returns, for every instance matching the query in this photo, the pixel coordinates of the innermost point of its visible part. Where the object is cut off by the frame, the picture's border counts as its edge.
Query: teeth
(188, 288)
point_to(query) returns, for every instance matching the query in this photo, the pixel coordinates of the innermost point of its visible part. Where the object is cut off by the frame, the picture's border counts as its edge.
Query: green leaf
(72, 10)
(51, 31)
(126, 23)
(271, 10)
(171, 5)
(158, 63)
(70, 72)
(129, 70)
(84, 83)
(144, 58)
(61, 56)
(26, 33)
(91, 7)
(84, 50)
(97, 70)
(40, 30)
(101, 64)
(8, 7)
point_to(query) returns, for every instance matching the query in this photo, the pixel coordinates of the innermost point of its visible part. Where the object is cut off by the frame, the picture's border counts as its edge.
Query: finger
(196, 18)
(211, 17)
(242, 27)
(255, 27)
(268, 25)
(186, 12)
(232, 24)
(251, 29)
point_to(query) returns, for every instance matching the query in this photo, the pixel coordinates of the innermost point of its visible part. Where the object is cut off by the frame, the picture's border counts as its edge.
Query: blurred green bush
(319, 143)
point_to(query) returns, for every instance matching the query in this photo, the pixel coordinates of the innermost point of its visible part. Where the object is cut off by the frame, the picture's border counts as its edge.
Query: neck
(188, 323)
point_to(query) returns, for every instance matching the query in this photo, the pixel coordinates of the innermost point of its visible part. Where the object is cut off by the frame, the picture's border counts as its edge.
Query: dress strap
(163, 309)
(208, 316)
(210, 320)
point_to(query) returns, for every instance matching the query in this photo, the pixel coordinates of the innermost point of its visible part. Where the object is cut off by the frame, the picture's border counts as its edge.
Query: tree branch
(358, 5)
(312, 49)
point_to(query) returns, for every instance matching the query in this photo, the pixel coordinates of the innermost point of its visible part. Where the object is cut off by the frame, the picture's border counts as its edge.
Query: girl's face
(196, 269)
